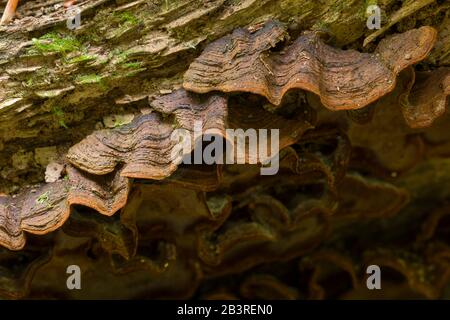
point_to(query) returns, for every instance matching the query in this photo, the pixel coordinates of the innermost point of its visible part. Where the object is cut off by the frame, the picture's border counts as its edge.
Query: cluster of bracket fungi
(139, 225)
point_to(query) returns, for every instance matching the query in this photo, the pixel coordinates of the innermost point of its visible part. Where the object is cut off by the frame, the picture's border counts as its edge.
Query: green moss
(92, 36)
(134, 72)
(118, 124)
(132, 65)
(38, 78)
(92, 79)
(82, 58)
(88, 79)
(122, 56)
(127, 18)
(29, 82)
(43, 198)
(60, 116)
(54, 42)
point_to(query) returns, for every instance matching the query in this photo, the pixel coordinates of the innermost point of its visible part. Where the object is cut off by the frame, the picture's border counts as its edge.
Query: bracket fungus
(344, 79)
(427, 99)
(145, 145)
(46, 208)
(35, 211)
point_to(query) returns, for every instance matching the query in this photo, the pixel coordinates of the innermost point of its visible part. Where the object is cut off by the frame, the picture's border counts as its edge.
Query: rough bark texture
(87, 176)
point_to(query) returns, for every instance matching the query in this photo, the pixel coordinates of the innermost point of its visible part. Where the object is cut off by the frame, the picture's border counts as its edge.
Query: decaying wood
(87, 174)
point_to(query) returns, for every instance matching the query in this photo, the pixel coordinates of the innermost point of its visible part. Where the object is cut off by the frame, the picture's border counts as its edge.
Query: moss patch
(54, 42)
(60, 117)
(82, 58)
